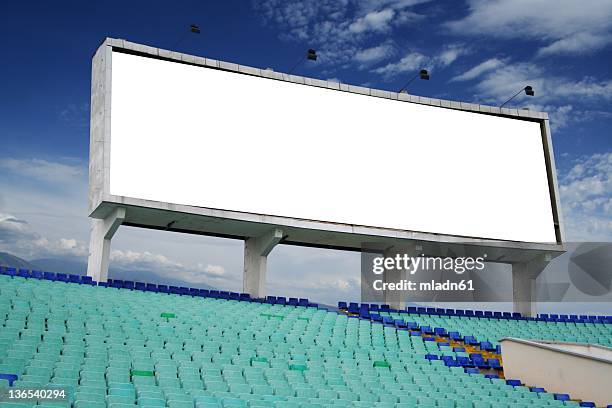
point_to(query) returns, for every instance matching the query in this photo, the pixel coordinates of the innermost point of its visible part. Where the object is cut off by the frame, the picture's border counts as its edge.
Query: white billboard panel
(202, 137)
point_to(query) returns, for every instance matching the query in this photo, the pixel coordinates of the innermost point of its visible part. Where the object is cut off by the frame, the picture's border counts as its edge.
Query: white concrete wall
(582, 371)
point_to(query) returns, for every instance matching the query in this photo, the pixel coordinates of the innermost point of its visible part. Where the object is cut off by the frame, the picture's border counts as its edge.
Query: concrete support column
(101, 233)
(394, 298)
(524, 275)
(256, 250)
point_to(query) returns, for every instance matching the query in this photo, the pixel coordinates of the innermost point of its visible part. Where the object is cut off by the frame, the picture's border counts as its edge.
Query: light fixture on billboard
(528, 91)
(311, 55)
(193, 28)
(422, 74)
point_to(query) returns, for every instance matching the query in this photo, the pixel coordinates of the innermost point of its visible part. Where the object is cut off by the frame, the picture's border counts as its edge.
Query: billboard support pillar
(101, 233)
(256, 250)
(396, 299)
(524, 275)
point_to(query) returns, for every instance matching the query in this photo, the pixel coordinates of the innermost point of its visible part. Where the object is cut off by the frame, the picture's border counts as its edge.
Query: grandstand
(122, 343)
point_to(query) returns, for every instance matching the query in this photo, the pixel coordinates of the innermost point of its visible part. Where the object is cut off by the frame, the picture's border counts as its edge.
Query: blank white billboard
(210, 138)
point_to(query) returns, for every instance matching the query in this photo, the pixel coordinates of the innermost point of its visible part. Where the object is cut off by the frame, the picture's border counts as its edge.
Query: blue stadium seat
(37, 274)
(432, 357)
(494, 363)
(245, 297)
(194, 291)
(140, 286)
(86, 280)
(455, 335)
(151, 287)
(465, 361)
(62, 277)
(471, 371)
(537, 389)
(163, 289)
(128, 284)
(478, 313)
(11, 378)
(303, 302)
(292, 301)
(562, 397)
(471, 340)
(587, 404)
(514, 383)
(342, 305)
(469, 313)
(439, 331)
(103, 284)
(204, 292)
(116, 283)
(412, 309)
(24, 273)
(459, 312)
(491, 376)
(421, 310)
(174, 290)
(281, 300)
(74, 278)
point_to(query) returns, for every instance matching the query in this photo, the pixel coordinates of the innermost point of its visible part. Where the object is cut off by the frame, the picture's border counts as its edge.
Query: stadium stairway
(128, 344)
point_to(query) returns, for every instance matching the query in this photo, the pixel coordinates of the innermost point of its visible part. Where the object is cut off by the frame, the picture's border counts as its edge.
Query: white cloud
(162, 266)
(414, 61)
(409, 63)
(499, 84)
(374, 54)
(576, 44)
(43, 170)
(479, 69)
(586, 198)
(339, 30)
(379, 21)
(572, 26)
(215, 270)
(18, 237)
(450, 54)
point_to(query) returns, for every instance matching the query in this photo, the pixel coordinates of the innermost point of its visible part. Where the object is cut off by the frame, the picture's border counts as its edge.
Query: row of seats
(486, 333)
(365, 309)
(151, 287)
(112, 347)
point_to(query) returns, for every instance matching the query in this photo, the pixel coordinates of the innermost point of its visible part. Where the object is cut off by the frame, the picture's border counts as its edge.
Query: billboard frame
(241, 225)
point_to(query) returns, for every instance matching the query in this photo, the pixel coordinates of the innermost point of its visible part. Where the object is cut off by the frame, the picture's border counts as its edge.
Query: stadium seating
(114, 346)
(478, 328)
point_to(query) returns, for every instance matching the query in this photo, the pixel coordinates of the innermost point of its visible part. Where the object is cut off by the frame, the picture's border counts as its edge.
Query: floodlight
(422, 74)
(528, 91)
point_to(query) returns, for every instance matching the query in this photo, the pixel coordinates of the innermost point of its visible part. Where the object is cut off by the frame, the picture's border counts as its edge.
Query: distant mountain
(7, 259)
(77, 266)
(73, 266)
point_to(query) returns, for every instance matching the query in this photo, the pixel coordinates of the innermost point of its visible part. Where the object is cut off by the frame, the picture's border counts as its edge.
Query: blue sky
(476, 51)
